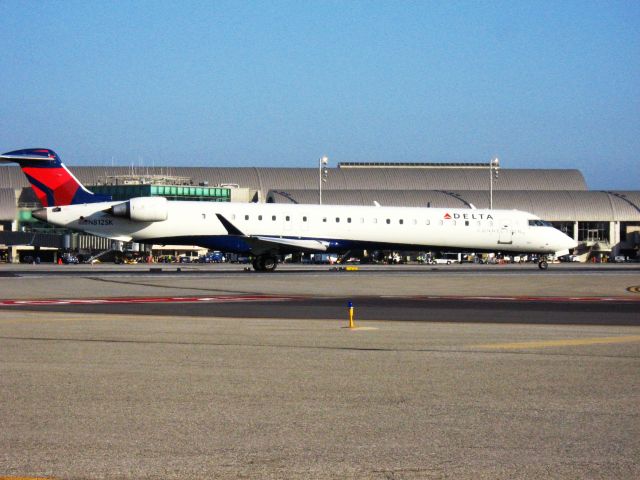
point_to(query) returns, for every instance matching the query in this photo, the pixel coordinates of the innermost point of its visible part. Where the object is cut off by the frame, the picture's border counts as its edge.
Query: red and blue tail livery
(52, 182)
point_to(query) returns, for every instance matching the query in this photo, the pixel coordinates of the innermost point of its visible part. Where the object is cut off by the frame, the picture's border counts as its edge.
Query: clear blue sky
(540, 84)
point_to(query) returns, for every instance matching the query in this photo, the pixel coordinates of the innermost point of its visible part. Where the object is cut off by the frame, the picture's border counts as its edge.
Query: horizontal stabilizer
(30, 155)
(7, 158)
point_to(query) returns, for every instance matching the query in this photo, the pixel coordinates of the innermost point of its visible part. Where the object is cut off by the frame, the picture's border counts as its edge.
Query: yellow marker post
(351, 324)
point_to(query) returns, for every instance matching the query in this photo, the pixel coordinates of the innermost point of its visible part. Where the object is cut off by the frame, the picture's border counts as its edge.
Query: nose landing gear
(542, 264)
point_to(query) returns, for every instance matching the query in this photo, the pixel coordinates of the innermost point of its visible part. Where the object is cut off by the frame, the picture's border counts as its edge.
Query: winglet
(231, 229)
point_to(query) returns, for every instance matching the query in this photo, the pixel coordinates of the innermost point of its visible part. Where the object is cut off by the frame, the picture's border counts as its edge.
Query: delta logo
(468, 216)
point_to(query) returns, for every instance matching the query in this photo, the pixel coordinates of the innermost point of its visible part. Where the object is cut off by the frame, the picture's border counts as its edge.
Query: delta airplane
(265, 231)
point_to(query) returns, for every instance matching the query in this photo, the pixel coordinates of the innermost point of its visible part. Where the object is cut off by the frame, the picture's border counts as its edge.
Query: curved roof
(550, 205)
(264, 179)
(551, 194)
(7, 204)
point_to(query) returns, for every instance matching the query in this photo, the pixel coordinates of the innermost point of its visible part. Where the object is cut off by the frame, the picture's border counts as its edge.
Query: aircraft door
(505, 236)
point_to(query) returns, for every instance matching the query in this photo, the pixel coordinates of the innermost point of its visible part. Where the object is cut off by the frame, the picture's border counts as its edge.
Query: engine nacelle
(142, 209)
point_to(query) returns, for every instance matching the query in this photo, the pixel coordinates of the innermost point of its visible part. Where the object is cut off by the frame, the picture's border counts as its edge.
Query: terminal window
(593, 231)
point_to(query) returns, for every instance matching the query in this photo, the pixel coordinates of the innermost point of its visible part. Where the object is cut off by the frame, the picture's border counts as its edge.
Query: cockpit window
(539, 223)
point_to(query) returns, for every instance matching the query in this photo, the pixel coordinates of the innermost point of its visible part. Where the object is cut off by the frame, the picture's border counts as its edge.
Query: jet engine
(142, 209)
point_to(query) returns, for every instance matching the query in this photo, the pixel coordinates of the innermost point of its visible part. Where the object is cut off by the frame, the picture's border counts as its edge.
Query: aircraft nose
(40, 214)
(567, 242)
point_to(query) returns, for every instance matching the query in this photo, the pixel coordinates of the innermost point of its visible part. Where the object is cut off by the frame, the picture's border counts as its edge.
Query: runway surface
(558, 310)
(220, 373)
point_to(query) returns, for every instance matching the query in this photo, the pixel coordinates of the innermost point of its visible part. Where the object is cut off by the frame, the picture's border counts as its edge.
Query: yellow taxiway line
(570, 342)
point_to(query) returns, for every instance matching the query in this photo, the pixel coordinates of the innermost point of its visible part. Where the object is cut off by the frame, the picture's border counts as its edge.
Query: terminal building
(605, 223)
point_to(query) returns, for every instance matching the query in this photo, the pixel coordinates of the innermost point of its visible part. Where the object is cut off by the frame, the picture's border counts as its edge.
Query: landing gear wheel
(269, 264)
(265, 263)
(543, 265)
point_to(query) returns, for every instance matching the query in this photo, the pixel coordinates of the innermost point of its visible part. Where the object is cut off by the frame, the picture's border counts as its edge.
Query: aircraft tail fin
(52, 182)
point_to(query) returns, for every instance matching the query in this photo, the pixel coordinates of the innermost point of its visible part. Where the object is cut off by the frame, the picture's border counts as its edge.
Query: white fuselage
(337, 227)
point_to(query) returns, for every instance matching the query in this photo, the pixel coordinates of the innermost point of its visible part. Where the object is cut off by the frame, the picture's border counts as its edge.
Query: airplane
(265, 231)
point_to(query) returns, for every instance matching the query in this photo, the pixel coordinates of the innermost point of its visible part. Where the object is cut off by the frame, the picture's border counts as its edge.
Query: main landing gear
(265, 263)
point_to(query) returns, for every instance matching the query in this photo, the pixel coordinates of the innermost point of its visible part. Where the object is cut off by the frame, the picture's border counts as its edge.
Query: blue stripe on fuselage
(237, 244)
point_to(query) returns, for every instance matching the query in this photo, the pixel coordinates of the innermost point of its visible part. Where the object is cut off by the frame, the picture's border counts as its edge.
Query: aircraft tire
(543, 265)
(265, 263)
(256, 264)
(269, 264)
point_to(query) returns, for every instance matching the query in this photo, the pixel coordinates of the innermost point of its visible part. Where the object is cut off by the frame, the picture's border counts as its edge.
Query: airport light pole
(494, 165)
(322, 175)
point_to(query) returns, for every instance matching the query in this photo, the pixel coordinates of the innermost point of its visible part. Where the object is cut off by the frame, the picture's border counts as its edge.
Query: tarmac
(128, 396)
(104, 280)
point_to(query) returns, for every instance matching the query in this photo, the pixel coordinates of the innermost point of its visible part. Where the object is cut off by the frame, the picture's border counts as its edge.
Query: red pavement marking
(101, 301)
(275, 298)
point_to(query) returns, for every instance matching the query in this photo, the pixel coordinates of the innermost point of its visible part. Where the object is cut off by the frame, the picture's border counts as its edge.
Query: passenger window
(287, 218)
(466, 223)
(388, 221)
(401, 221)
(246, 217)
(273, 218)
(304, 219)
(259, 217)
(337, 219)
(427, 222)
(349, 220)
(324, 219)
